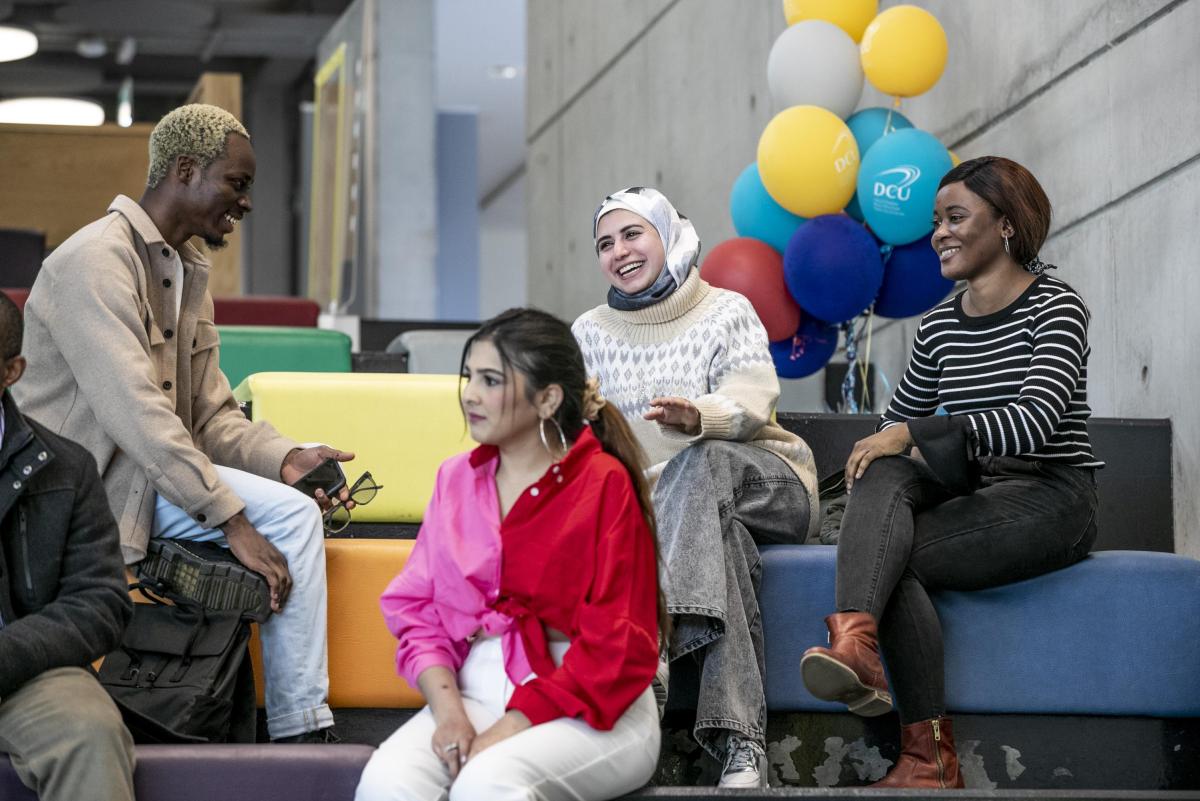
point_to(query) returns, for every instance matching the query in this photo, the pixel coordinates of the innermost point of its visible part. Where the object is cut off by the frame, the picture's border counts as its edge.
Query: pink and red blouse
(574, 554)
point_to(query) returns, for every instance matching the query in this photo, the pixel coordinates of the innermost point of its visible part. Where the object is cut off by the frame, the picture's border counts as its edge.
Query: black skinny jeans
(904, 535)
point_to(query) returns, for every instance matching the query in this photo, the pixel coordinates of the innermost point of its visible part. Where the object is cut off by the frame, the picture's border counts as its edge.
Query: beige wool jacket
(113, 367)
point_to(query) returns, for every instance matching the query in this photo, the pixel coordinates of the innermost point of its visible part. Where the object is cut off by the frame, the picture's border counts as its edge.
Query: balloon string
(849, 383)
(865, 364)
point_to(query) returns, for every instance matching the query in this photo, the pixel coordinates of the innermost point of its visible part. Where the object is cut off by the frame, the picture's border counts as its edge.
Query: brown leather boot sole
(828, 679)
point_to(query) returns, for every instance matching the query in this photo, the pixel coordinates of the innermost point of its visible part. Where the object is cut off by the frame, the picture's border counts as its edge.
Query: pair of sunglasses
(362, 492)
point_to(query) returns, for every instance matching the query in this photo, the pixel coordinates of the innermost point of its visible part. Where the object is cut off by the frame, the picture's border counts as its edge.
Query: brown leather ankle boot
(927, 757)
(849, 670)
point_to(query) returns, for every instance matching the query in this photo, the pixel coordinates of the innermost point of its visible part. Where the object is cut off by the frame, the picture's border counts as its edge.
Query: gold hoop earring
(1006, 250)
(562, 438)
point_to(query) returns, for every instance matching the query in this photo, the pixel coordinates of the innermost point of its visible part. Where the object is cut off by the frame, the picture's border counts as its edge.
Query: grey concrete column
(401, 258)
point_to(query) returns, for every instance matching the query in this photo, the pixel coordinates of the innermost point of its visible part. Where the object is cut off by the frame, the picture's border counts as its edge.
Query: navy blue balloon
(912, 281)
(832, 268)
(810, 349)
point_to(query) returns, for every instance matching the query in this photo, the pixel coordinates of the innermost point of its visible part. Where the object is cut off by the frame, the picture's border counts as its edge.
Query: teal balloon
(897, 182)
(868, 127)
(756, 214)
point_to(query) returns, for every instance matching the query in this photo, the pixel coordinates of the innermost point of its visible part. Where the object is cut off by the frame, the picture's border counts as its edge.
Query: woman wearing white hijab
(688, 366)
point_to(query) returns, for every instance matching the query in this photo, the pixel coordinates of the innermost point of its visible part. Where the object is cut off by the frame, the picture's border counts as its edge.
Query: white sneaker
(660, 683)
(743, 764)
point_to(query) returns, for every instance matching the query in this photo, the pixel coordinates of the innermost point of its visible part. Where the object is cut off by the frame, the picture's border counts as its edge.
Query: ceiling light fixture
(92, 47)
(16, 43)
(505, 72)
(125, 102)
(51, 111)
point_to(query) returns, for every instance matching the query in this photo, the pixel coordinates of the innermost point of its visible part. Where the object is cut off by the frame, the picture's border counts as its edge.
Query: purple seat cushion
(205, 772)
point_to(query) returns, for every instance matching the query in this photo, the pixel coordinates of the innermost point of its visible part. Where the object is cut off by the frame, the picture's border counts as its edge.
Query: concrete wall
(402, 280)
(1100, 98)
(504, 250)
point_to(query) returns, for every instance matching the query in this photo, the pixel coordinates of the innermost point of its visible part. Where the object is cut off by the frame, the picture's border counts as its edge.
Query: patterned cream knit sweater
(704, 344)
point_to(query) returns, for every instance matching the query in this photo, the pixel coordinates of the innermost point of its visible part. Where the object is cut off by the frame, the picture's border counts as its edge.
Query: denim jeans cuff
(306, 720)
(708, 730)
(703, 635)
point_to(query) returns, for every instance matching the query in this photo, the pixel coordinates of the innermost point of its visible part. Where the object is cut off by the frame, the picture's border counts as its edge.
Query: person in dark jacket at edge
(63, 604)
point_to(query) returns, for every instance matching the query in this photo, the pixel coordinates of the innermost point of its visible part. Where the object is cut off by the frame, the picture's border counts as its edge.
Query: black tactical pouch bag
(182, 673)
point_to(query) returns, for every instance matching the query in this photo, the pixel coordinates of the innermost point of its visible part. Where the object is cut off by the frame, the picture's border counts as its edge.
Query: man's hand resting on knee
(253, 551)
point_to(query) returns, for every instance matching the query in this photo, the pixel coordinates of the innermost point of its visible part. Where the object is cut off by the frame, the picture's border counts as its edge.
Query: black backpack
(182, 673)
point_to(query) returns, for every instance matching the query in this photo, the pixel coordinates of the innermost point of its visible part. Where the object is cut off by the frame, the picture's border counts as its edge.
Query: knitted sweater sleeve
(741, 377)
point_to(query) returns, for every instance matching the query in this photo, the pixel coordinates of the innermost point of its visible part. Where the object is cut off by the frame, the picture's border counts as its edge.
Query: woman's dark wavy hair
(1012, 192)
(542, 348)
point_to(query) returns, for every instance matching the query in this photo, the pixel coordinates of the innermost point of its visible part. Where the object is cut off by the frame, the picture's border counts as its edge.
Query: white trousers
(560, 759)
(294, 652)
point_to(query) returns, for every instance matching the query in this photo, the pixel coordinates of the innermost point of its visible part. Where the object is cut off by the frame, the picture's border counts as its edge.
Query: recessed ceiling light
(504, 71)
(92, 47)
(16, 43)
(51, 111)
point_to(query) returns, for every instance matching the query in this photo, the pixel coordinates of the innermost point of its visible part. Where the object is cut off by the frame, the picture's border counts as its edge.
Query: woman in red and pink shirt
(529, 613)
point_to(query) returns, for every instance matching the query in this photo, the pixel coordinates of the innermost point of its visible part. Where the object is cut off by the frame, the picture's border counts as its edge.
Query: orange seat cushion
(362, 652)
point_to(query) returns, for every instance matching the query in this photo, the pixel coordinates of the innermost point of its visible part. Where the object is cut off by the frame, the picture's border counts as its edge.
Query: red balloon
(753, 268)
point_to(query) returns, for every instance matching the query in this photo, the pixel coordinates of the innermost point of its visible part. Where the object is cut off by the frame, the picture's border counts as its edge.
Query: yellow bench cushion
(362, 652)
(399, 426)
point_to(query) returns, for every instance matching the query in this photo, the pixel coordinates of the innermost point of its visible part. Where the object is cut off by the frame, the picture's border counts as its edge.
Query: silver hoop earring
(562, 438)
(1006, 250)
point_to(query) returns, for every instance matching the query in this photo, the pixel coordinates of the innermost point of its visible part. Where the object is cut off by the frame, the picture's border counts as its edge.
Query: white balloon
(815, 63)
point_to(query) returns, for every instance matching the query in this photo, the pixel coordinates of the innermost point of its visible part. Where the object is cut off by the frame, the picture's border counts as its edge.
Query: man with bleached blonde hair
(123, 358)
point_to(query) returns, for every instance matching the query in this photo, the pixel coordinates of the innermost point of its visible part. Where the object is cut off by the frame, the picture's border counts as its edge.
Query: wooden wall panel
(58, 179)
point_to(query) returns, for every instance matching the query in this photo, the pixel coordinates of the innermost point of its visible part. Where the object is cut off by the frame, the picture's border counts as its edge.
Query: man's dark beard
(215, 244)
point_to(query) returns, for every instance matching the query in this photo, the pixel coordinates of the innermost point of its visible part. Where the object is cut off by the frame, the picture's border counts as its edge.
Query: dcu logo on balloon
(908, 175)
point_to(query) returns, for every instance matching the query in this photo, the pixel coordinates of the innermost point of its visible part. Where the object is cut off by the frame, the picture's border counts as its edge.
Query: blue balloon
(897, 182)
(912, 281)
(832, 267)
(806, 352)
(756, 214)
(868, 127)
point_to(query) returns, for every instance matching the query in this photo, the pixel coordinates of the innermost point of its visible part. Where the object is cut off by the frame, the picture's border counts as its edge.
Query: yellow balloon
(808, 161)
(954, 159)
(852, 16)
(904, 51)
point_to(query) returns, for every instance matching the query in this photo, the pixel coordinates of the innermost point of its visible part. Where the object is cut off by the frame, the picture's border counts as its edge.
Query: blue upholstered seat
(1117, 634)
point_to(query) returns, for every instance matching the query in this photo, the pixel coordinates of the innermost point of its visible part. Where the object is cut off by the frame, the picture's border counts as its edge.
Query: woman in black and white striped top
(1001, 487)
(1018, 375)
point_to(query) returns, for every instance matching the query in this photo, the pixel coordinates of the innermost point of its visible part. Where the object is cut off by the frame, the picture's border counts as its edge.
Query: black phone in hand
(327, 476)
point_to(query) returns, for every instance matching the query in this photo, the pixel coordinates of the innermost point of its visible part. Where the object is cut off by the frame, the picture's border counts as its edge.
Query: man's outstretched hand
(302, 460)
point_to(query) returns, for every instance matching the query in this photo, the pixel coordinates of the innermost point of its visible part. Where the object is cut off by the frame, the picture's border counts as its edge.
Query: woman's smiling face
(630, 251)
(968, 234)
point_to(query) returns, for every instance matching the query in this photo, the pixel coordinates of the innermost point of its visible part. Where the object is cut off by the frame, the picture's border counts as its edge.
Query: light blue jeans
(295, 656)
(716, 502)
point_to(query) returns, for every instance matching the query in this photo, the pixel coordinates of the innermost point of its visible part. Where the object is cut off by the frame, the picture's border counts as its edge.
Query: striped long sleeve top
(1018, 375)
